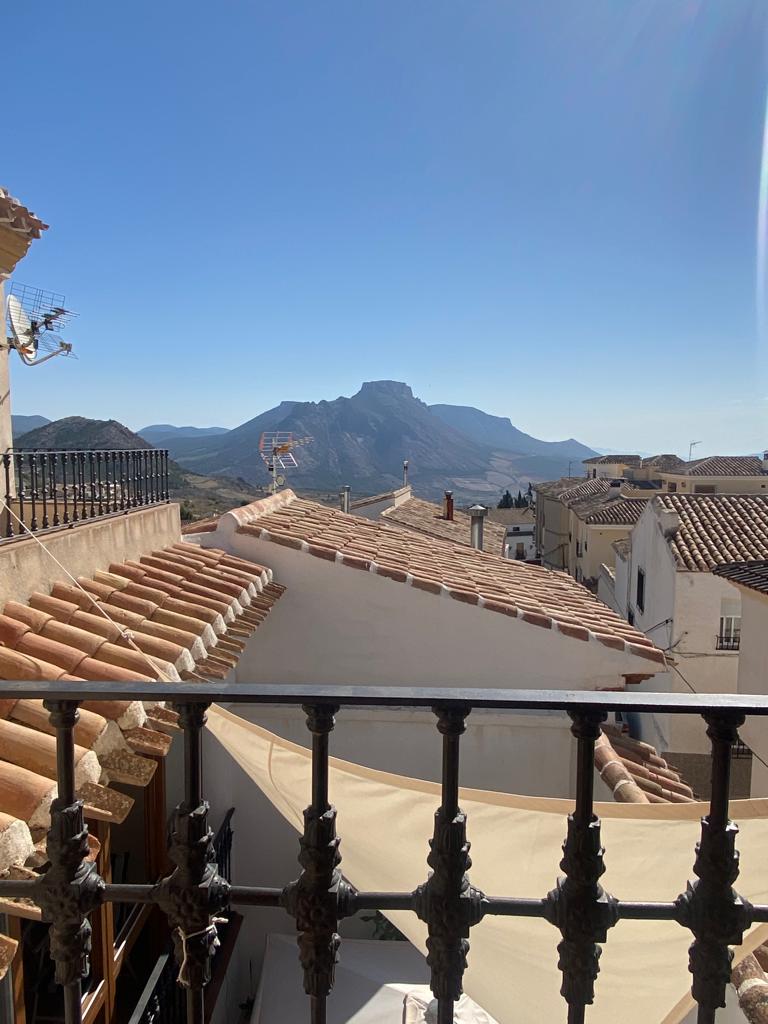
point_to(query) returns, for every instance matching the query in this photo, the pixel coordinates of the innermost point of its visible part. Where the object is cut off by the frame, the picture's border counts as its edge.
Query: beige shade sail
(385, 821)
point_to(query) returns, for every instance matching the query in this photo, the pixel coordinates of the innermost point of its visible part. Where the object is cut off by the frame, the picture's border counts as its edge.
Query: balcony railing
(47, 488)
(195, 892)
(727, 643)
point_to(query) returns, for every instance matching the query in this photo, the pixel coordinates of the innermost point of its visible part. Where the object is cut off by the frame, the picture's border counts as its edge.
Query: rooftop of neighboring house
(663, 463)
(14, 215)
(753, 574)
(375, 499)
(554, 488)
(512, 516)
(616, 512)
(427, 518)
(716, 528)
(440, 567)
(613, 460)
(621, 547)
(721, 465)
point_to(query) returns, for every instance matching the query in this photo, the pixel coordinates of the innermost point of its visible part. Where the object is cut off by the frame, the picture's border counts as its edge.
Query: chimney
(477, 515)
(344, 495)
(448, 506)
(614, 487)
(405, 472)
(765, 462)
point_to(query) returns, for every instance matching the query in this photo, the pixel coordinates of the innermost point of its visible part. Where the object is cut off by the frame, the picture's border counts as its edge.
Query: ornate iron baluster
(711, 907)
(166, 481)
(54, 487)
(194, 893)
(65, 518)
(447, 902)
(579, 906)
(123, 498)
(20, 493)
(44, 483)
(114, 482)
(99, 484)
(320, 896)
(71, 887)
(33, 490)
(8, 470)
(92, 482)
(81, 471)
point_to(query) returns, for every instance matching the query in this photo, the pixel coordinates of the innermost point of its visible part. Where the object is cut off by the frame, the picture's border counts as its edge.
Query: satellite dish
(280, 480)
(31, 320)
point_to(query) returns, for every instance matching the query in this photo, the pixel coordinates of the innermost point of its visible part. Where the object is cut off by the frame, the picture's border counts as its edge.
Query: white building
(664, 584)
(751, 579)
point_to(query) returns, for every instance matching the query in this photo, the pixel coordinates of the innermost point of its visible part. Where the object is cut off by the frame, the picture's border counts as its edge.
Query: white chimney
(344, 497)
(765, 462)
(477, 517)
(405, 472)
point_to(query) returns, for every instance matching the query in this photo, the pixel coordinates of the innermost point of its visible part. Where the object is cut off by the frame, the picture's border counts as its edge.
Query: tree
(507, 501)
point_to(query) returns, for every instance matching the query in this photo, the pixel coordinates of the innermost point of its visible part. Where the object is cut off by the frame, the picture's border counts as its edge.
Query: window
(704, 489)
(520, 550)
(671, 486)
(640, 594)
(729, 636)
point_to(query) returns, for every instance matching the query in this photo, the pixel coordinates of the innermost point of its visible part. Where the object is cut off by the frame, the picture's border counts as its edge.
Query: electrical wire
(125, 634)
(693, 689)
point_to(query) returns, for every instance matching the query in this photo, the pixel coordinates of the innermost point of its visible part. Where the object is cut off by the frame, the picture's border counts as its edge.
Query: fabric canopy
(385, 821)
(376, 983)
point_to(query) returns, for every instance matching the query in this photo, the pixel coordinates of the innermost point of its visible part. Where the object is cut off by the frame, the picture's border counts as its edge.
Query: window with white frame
(730, 618)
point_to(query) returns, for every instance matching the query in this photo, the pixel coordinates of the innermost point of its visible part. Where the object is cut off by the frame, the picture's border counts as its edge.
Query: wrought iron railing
(195, 892)
(46, 488)
(728, 643)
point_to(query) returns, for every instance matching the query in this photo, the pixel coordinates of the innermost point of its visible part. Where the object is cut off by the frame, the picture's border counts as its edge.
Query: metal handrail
(727, 643)
(195, 893)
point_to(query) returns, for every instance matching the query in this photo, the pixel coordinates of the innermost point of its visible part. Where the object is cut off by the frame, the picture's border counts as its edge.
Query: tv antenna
(276, 449)
(32, 316)
(691, 446)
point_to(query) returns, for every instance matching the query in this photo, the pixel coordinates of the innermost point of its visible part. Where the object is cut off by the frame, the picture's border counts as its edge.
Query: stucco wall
(753, 678)
(341, 625)
(722, 484)
(552, 531)
(82, 549)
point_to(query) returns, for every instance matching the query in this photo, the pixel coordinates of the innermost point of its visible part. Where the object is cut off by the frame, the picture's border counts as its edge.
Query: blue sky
(546, 210)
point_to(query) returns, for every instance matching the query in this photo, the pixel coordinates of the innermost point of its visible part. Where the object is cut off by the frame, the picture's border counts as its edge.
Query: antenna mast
(276, 449)
(691, 446)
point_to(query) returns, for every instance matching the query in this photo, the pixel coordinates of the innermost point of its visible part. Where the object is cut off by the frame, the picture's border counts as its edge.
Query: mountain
(158, 433)
(78, 432)
(22, 424)
(363, 440)
(499, 432)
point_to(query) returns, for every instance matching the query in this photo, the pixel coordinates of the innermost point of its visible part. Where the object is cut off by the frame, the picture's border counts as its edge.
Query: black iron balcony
(195, 893)
(44, 489)
(728, 643)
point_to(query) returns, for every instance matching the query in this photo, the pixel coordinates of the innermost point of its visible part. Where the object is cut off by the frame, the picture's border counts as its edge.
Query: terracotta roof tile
(612, 460)
(724, 465)
(619, 512)
(192, 623)
(406, 556)
(17, 217)
(717, 528)
(635, 772)
(427, 518)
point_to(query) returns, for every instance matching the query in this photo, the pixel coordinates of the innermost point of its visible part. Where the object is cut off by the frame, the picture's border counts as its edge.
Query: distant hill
(499, 432)
(363, 440)
(23, 424)
(79, 432)
(158, 433)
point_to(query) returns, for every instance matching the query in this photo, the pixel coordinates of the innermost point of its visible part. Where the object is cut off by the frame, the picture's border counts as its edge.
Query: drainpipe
(344, 496)
(448, 506)
(477, 515)
(405, 472)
